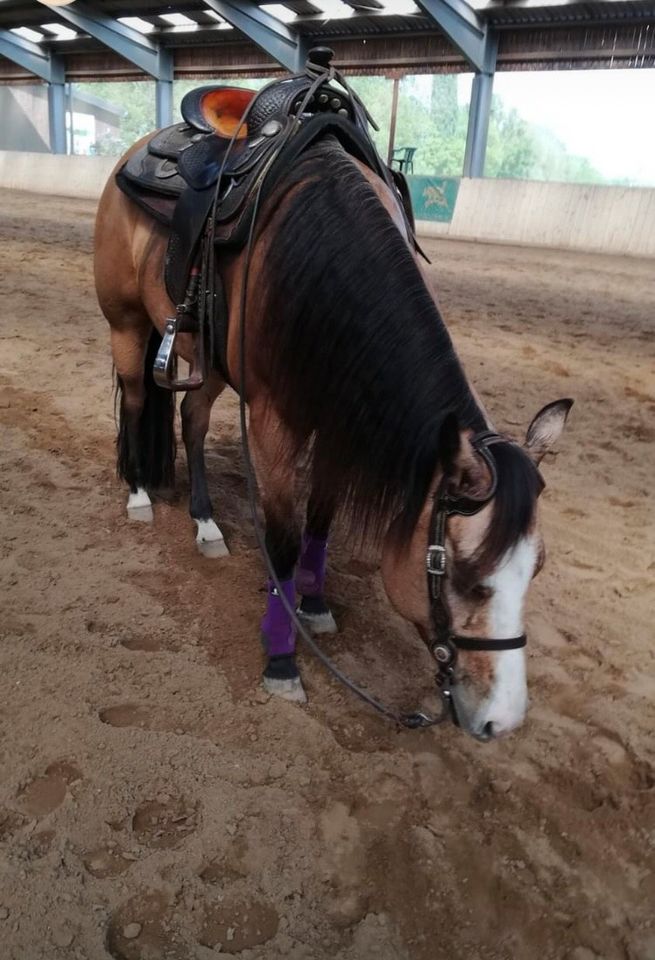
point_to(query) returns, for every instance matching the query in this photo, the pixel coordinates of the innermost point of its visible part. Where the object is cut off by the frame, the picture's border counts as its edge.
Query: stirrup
(164, 369)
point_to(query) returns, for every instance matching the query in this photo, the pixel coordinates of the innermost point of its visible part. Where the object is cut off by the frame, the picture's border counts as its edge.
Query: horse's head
(483, 506)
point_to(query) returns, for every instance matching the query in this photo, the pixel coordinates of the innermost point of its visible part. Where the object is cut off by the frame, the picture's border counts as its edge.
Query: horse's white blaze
(506, 705)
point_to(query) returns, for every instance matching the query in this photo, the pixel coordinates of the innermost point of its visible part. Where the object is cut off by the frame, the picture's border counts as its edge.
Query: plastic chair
(404, 157)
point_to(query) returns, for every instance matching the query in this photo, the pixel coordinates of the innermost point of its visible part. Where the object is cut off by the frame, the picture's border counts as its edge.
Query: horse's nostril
(488, 730)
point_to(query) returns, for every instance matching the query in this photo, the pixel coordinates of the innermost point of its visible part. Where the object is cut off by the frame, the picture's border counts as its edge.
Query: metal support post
(480, 109)
(57, 117)
(164, 103)
(478, 125)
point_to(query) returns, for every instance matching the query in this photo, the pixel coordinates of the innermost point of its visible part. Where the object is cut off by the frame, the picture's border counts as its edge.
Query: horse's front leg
(196, 408)
(275, 464)
(310, 575)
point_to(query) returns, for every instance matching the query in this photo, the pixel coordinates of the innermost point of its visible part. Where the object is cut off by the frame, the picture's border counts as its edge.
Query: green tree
(511, 148)
(135, 99)
(430, 118)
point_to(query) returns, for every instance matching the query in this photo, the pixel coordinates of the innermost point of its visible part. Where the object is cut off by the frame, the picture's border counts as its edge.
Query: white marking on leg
(210, 540)
(506, 705)
(139, 506)
(291, 689)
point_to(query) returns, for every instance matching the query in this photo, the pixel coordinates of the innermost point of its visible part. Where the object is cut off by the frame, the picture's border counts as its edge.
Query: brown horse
(348, 363)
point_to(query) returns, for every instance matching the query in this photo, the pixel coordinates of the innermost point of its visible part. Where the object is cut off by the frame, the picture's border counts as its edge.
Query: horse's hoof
(210, 540)
(291, 689)
(318, 622)
(142, 514)
(212, 548)
(139, 507)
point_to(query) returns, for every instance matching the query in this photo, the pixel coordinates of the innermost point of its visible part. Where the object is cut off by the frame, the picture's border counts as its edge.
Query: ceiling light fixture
(137, 23)
(60, 31)
(28, 34)
(279, 11)
(333, 9)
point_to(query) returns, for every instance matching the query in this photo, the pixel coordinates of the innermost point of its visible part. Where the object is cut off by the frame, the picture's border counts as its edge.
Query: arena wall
(619, 220)
(55, 173)
(602, 219)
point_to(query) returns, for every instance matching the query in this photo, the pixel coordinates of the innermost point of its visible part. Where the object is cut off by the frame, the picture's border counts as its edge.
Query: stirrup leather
(164, 369)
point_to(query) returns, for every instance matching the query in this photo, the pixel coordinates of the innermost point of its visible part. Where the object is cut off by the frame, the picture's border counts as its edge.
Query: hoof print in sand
(39, 844)
(44, 794)
(10, 822)
(164, 823)
(229, 868)
(363, 735)
(103, 862)
(127, 715)
(146, 643)
(141, 930)
(233, 927)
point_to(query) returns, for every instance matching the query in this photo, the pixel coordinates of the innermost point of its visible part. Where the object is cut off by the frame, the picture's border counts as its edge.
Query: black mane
(359, 361)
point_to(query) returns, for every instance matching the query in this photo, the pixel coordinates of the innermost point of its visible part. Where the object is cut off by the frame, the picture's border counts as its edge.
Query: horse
(349, 366)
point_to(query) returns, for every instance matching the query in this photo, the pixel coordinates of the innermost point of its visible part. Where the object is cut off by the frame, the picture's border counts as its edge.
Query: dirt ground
(154, 803)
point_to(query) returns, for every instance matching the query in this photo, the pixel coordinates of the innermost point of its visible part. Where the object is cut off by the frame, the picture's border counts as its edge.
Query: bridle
(444, 643)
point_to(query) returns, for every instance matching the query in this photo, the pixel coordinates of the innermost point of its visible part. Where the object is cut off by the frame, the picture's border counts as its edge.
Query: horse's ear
(546, 428)
(450, 444)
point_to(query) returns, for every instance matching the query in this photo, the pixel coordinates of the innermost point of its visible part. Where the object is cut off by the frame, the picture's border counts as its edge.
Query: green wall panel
(433, 198)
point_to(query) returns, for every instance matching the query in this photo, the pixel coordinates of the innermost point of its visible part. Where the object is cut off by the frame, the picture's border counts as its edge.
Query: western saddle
(204, 178)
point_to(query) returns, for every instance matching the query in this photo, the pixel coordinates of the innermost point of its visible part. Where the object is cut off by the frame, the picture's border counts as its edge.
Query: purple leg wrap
(276, 625)
(310, 575)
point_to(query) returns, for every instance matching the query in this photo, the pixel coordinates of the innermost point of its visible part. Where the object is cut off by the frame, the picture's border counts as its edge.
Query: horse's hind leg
(310, 575)
(146, 439)
(195, 410)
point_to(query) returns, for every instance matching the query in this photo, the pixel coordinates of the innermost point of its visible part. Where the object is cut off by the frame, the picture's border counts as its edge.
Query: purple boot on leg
(281, 675)
(310, 581)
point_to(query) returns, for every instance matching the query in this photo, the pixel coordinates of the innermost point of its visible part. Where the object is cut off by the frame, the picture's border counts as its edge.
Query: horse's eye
(480, 592)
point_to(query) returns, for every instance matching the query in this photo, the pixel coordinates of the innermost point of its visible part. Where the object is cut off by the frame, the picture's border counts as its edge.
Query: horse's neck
(387, 198)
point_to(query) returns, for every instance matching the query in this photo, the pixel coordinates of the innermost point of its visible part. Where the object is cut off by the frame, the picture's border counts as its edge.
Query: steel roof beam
(30, 56)
(128, 43)
(269, 33)
(465, 30)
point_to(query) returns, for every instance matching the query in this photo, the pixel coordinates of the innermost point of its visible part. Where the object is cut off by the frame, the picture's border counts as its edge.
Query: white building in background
(24, 112)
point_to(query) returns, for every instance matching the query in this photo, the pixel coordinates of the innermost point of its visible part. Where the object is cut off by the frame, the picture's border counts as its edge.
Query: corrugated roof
(533, 35)
(518, 13)
(524, 12)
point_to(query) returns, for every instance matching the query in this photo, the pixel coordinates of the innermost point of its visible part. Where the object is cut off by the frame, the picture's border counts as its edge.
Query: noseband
(444, 643)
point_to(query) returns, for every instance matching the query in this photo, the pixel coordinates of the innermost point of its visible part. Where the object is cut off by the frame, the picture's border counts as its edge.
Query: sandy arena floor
(148, 787)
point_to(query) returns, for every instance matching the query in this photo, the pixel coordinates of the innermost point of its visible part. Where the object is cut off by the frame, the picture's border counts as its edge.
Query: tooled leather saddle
(200, 179)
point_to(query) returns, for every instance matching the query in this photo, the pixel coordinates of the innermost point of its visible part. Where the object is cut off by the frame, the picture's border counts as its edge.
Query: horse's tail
(155, 441)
